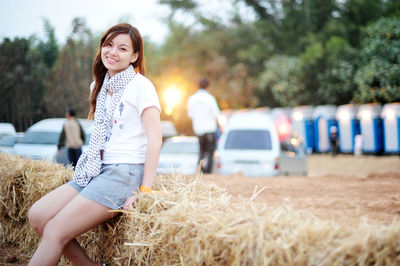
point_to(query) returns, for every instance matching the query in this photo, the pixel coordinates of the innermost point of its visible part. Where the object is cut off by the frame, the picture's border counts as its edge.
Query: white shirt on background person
(203, 110)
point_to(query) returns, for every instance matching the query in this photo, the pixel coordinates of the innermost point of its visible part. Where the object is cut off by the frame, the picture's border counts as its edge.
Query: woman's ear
(134, 57)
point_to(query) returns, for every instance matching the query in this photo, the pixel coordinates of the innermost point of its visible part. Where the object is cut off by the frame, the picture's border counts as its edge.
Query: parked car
(41, 139)
(7, 129)
(168, 129)
(293, 159)
(248, 145)
(179, 154)
(7, 142)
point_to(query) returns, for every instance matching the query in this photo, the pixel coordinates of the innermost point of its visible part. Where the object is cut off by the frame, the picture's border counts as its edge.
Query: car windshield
(40, 137)
(248, 140)
(180, 147)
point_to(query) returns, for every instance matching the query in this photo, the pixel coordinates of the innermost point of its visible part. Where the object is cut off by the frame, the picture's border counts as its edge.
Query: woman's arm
(152, 127)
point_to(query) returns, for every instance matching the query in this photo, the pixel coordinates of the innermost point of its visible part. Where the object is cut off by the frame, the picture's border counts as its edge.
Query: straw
(193, 222)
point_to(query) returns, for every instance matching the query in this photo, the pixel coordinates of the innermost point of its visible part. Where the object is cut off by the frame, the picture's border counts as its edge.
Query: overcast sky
(22, 18)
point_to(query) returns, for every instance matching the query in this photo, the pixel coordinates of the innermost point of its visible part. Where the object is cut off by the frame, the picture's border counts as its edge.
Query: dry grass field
(341, 188)
(345, 212)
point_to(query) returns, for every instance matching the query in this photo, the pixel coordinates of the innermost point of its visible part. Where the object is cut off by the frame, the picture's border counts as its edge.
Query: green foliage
(335, 46)
(312, 54)
(336, 83)
(378, 77)
(49, 49)
(21, 82)
(378, 81)
(282, 77)
(358, 13)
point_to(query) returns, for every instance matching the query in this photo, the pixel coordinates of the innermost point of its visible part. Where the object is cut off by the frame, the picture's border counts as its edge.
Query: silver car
(293, 159)
(7, 142)
(41, 139)
(179, 154)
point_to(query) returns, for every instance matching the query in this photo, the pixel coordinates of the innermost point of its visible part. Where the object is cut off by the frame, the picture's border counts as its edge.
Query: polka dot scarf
(90, 161)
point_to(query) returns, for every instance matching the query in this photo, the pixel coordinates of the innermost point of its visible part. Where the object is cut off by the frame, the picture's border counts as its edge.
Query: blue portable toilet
(371, 127)
(303, 125)
(391, 127)
(324, 118)
(348, 126)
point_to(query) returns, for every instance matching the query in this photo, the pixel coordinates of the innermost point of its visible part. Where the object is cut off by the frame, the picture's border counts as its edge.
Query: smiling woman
(122, 156)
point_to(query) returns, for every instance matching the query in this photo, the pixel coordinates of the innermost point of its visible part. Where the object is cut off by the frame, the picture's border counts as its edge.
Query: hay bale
(209, 230)
(22, 182)
(139, 223)
(196, 223)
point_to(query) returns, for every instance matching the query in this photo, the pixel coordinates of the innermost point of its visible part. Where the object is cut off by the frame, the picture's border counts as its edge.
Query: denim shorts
(113, 185)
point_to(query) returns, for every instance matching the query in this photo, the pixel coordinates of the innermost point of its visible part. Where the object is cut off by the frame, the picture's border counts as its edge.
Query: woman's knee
(37, 218)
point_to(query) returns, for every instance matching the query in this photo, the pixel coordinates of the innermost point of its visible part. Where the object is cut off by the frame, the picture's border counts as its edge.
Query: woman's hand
(129, 202)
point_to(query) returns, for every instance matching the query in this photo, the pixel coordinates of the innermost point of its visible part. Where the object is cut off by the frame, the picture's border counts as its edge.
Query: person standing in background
(334, 140)
(72, 136)
(203, 110)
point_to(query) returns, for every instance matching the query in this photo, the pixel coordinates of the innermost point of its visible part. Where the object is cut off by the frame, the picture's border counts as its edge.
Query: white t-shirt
(127, 141)
(203, 110)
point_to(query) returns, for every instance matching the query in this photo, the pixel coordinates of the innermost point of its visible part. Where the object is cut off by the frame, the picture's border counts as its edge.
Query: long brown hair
(99, 70)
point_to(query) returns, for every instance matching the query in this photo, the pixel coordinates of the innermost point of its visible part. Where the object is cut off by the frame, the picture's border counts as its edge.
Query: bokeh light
(172, 96)
(284, 127)
(297, 116)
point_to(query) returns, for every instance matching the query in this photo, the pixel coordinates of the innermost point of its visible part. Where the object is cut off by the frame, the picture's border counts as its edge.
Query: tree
(282, 77)
(335, 82)
(189, 54)
(72, 73)
(49, 49)
(378, 77)
(21, 82)
(356, 14)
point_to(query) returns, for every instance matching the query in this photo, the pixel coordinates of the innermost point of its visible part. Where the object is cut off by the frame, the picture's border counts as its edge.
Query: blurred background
(266, 53)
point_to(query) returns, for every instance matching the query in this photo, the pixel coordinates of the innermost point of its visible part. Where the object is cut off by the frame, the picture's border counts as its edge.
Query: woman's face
(117, 54)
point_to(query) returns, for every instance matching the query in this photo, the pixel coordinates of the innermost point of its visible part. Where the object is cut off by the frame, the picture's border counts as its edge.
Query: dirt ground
(341, 188)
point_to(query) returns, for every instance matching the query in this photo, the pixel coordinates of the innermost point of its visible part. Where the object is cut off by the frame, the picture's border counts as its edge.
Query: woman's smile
(111, 60)
(118, 54)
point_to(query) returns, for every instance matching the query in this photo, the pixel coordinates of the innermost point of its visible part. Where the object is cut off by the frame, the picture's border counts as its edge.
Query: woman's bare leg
(48, 207)
(77, 217)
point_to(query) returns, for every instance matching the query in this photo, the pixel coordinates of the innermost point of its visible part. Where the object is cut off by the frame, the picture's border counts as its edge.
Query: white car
(41, 139)
(179, 154)
(293, 160)
(248, 145)
(7, 142)
(7, 129)
(168, 129)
